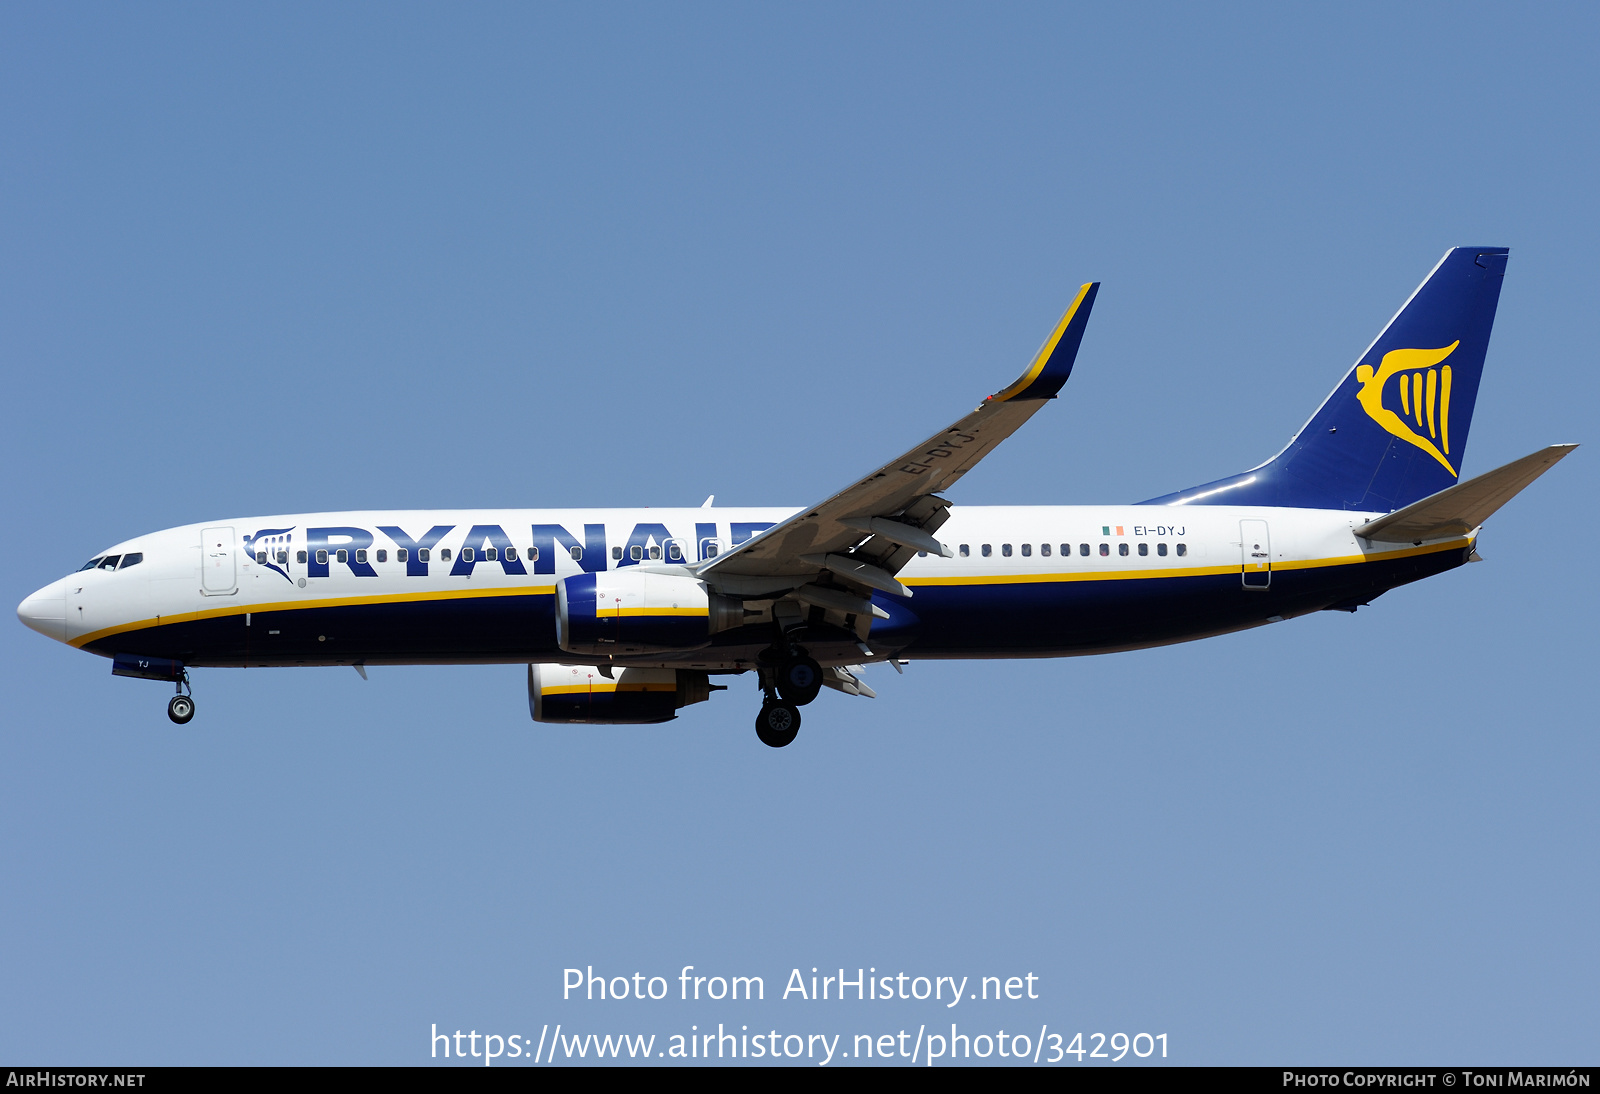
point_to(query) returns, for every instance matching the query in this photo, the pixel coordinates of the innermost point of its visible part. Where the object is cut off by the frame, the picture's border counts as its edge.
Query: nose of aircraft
(46, 610)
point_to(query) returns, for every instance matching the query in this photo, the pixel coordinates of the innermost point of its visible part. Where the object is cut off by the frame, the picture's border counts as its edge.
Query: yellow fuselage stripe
(1184, 571)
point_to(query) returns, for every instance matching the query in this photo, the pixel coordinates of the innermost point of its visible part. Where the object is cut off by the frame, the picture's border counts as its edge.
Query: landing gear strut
(181, 707)
(790, 679)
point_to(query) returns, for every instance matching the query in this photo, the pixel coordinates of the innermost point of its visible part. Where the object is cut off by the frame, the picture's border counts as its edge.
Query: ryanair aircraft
(624, 616)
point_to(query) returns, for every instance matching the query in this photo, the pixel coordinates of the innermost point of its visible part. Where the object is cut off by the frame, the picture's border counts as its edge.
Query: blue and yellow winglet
(1053, 364)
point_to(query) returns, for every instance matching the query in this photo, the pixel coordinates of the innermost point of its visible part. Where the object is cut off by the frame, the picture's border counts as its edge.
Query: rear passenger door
(1255, 548)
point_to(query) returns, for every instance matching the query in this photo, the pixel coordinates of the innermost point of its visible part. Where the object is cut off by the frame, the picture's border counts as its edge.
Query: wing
(864, 534)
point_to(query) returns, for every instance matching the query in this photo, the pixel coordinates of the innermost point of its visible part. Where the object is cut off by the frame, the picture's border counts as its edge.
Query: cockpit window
(109, 562)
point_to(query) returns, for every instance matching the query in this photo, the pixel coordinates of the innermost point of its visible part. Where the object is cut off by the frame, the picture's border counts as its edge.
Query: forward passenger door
(218, 567)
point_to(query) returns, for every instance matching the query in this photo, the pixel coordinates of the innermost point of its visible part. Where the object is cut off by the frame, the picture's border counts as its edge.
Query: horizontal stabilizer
(1459, 509)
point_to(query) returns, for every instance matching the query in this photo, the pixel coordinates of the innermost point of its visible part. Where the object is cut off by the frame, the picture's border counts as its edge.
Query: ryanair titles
(442, 548)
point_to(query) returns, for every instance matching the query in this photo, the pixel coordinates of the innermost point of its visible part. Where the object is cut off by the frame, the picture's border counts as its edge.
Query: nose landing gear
(180, 708)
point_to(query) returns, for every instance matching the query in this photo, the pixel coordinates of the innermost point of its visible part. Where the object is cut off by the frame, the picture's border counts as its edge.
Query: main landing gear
(789, 680)
(180, 708)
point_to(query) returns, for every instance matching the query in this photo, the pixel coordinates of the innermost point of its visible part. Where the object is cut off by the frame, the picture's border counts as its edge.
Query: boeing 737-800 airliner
(624, 616)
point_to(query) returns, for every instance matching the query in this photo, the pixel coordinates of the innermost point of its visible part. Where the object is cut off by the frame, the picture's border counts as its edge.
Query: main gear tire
(799, 680)
(777, 724)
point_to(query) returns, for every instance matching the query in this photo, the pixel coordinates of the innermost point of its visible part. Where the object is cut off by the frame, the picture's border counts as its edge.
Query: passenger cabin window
(1144, 548)
(261, 557)
(444, 554)
(1182, 550)
(987, 550)
(132, 560)
(674, 552)
(533, 554)
(966, 551)
(1161, 549)
(383, 554)
(1105, 549)
(491, 554)
(1027, 549)
(468, 554)
(361, 555)
(636, 552)
(343, 555)
(616, 554)
(322, 558)
(423, 554)
(1044, 549)
(708, 548)
(1122, 549)
(300, 557)
(1005, 549)
(1083, 548)
(575, 552)
(511, 554)
(922, 554)
(655, 552)
(283, 558)
(402, 555)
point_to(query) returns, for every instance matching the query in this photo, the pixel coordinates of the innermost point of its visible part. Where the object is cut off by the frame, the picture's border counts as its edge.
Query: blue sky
(306, 258)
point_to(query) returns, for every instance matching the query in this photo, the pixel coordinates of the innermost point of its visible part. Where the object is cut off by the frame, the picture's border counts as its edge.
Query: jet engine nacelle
(632, 611)
(581, 694)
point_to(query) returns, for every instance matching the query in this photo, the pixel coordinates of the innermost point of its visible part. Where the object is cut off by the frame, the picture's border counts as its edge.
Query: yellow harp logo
(1424, 398)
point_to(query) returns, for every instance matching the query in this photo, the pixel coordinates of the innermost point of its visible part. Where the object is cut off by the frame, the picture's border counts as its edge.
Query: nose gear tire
(180, 709)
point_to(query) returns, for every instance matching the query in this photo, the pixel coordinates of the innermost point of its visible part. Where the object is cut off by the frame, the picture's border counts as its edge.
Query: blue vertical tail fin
(1394, 430)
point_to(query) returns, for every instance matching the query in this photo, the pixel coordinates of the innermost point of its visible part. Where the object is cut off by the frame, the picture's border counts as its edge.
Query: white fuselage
(1015, 572)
